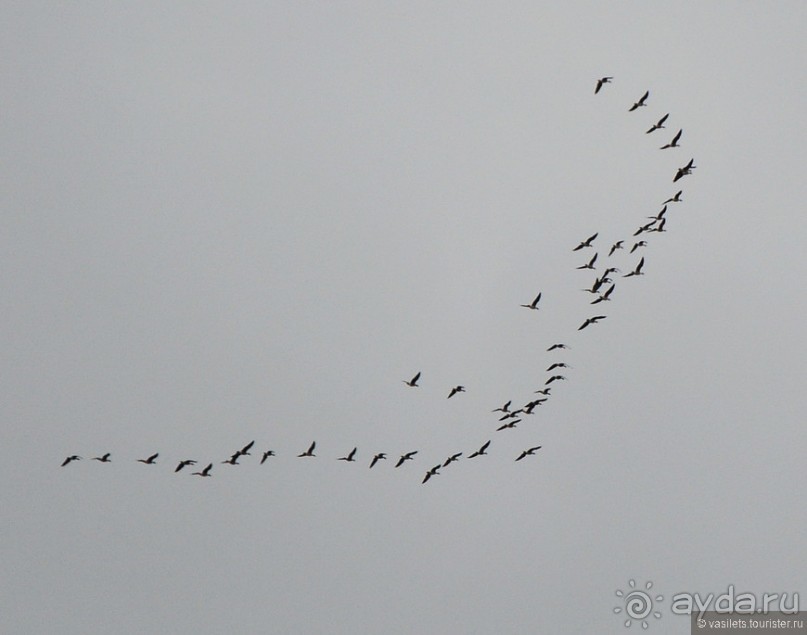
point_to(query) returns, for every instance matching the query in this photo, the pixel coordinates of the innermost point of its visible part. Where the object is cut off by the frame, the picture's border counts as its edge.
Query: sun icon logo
(638, 604)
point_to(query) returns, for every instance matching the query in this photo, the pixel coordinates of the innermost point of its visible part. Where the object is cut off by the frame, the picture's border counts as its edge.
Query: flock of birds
(602, 287)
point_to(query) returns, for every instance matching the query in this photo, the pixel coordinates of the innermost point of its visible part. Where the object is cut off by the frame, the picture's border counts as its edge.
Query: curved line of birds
(602, 287)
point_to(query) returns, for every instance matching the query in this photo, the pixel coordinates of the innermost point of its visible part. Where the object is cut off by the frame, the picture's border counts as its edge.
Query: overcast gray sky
(235, 221)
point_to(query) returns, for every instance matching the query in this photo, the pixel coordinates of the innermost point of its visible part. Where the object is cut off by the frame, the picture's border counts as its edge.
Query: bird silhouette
(455, 390)
(659, 124)
(556, 346)
(637, 271)
(413, 383)
(103, 459)
(204, 472)
(554, 378)
(641, 243)
(406, 457)
(451, 459)
(601, 82)
(528, 452)
(557, 365)
(684, 171)
(349, 457)
(605, 297)
(504, 408)
(378, 457)
(590, 264)
(534, 304)
(309, 451)
(508, 425)
(266, 455)
(432, 472)
(151, 460)
(69, 459)
(674, 142)
(641, 102)
(676, 198)
(481, 451)
(615, 246)
(183, 464)
(587, 242)
(233, 460)
(245, 450)
(591, 320)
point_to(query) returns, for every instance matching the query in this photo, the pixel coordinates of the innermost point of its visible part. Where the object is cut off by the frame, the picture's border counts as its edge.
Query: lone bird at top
(455, 390)
(413, 383)
(534, 304)
(640, 103)
(601, 82)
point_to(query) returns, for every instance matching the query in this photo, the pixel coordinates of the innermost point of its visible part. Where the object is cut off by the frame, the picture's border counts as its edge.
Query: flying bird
(413, 383)
(377, 458)
(528, 452)
(544, 391)
(245, 450)
(349, 457)
(587, 242)
(432, 472)
(591, 320)
(641, 102)
(590, 264)
(406, 457)
(508, 425)
(103, 459)
(452, 458)
(266, 455)
(659, 124)
(481, 451)
(554, 378)
(233, 460)
(534, 304)
(641, 243)
(601, 82)
(687, 169)
(72, 457)
(605, 297)
(151, 460)
(504, 408)
(674, 142)
(615, 246)
(637, 271)
(309, 451)
(455, 390)
(674, 199)
(204, 472)
(558, 365)
(660, 215)
(556, 346)
(184, 463)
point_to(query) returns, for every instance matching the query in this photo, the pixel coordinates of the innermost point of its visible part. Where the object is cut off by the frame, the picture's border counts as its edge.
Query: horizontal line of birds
(350, 457)
(509, 418)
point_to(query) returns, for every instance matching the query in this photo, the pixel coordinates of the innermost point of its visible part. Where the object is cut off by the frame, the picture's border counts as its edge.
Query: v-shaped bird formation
(508, 416)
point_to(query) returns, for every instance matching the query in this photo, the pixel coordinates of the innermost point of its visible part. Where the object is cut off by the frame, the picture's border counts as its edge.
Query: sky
(227, 222)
